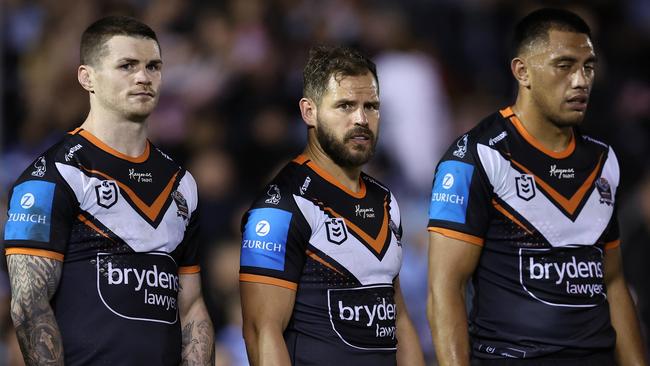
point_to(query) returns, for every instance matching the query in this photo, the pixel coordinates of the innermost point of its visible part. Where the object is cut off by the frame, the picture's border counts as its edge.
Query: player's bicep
(451, 261)
(266, 305)
(34, 280)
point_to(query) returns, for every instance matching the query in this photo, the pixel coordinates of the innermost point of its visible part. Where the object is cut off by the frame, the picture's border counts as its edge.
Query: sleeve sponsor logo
(40, 166)
(140, 286)
(570, 277)
(30, 211)
(181, 205)
(450, 193)
(364, 317)
(264, 242)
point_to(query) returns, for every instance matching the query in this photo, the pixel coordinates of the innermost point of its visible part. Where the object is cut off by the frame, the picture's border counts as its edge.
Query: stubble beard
(341, 154)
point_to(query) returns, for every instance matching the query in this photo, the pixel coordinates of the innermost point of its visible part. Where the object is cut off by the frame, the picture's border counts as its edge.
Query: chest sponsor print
(570, 277)
(141, 286)
(364, 317)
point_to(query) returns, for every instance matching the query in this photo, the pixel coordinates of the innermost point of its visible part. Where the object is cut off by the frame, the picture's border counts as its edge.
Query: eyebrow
(592, 59)
(133, 60)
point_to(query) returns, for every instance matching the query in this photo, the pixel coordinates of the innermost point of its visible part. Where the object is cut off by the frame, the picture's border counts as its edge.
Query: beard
(340, 153)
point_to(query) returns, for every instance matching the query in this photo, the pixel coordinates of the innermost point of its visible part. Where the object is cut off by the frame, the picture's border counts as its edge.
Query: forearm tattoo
(198, 343)
(33, 283)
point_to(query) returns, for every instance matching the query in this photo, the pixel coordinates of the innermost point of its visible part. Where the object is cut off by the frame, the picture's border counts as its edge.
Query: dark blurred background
(228, 111)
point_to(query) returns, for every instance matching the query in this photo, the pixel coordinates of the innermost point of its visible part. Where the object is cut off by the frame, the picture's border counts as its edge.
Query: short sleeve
(460, 195)
(274, 239)
(40, 213)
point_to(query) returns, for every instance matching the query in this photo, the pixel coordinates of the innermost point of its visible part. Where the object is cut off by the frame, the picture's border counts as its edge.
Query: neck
(552, 137)
(127, 137)
(348, 177)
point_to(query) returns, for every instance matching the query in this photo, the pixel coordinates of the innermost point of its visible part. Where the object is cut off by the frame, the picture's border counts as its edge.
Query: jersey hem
(247, 277)
(453, 234)
(613, 244)
(189, 269)
(35, 252)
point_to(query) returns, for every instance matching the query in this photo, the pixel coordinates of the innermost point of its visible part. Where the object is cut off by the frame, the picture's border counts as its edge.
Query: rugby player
(321, 247)
(525, 205)
(101, 240)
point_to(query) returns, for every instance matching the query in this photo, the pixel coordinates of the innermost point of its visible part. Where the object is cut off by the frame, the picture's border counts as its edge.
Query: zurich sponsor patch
(450, 193)
(264, 242)
(30, 211)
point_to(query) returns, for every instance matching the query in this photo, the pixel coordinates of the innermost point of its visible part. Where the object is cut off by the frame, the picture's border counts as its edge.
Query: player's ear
(84, 75)
(520, 71)
(308, 110)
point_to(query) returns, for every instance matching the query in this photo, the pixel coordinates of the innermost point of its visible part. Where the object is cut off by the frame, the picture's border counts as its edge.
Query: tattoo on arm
(198, 343)
(33, 283)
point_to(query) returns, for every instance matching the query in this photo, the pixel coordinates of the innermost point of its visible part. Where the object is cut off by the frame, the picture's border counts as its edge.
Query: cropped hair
(94, 38)
(339, 61)
(536, 26)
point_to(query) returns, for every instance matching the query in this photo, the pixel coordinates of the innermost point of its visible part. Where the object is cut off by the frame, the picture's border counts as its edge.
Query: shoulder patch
(450, 193)
(30, 211)
(264, 241)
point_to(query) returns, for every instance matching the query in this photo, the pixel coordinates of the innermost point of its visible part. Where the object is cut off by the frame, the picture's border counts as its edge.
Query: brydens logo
(563, 277)
(139, 286)
(364, 317)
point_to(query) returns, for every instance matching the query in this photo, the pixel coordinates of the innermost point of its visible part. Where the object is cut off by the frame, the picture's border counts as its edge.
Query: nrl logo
(525, 187)
(106, 193)
(336, 231)
(274, 195)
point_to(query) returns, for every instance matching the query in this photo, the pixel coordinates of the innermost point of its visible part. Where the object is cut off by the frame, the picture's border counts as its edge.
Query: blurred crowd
(228, 111)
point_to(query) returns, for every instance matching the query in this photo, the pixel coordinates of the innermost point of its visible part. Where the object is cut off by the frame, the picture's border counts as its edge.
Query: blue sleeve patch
(450, 193)
(30, 211)
(264, 242)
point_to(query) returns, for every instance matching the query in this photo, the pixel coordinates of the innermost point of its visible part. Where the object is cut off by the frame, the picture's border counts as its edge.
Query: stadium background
(229, 108)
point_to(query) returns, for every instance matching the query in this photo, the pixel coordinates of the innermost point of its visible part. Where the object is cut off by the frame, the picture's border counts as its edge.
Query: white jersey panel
(351, 253)
(127, 223)
(541, 212)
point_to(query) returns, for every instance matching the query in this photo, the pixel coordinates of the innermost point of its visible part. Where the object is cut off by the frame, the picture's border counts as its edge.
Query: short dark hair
(94, 38)
(536, 26)
(325, 61)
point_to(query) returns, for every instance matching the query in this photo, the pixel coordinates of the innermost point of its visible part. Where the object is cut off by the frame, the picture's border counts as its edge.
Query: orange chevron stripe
(87, 222)
(150, 211)
(322, 261)
(570, 204)
(375, 243)
(510, 216)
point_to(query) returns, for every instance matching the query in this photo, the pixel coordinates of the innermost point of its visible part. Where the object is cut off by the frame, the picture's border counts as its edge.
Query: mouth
(360, 137)
(578, 102)
(143, 94)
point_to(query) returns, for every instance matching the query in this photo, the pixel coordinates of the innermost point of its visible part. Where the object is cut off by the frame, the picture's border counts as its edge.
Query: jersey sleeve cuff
(189, 269)
(247, 277)
(613, 244)
(457, 235)
(35, 252)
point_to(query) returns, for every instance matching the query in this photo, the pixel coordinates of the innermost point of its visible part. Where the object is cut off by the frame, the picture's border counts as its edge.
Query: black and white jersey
(124, 229)
(340, 251)
(544, 220)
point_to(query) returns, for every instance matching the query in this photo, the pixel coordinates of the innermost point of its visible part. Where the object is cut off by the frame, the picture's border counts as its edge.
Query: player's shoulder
(592, 142)
(488, 131)
(292, 179)
(43, 166)
(373, 184)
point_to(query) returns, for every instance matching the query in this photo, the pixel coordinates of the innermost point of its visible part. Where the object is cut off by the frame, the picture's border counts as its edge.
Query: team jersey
(544, 220)
(124, 229)
(340, 251)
